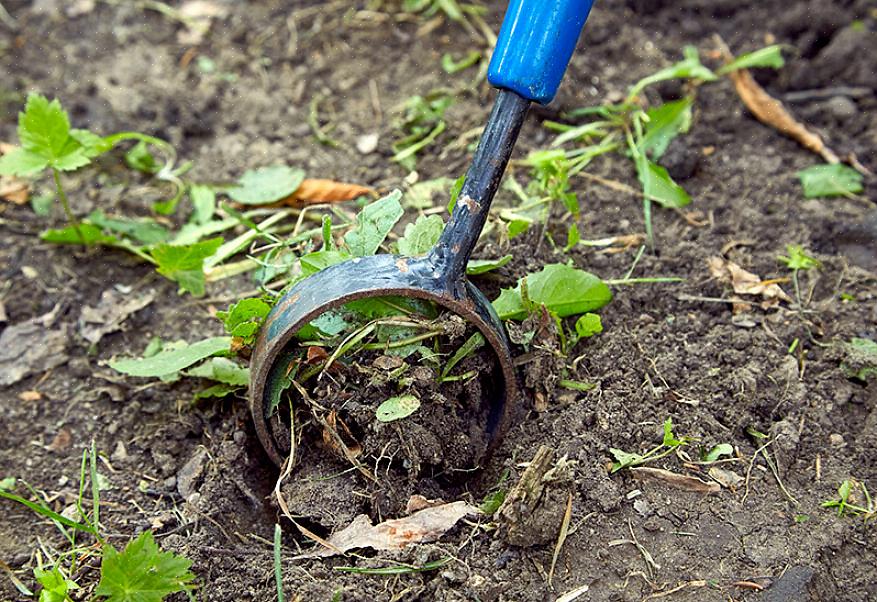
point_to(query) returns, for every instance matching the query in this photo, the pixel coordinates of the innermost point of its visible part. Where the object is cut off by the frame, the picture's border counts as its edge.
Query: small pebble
(836, 439)
(841, 108)
(367, 143)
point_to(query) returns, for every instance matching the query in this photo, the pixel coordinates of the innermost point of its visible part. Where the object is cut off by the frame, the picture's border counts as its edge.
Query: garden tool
(535, 43)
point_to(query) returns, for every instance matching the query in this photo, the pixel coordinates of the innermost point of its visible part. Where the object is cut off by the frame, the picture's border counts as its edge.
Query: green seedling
(798, 260)
(669, 445)
(278, 568)
(847, 500)
(423, 120)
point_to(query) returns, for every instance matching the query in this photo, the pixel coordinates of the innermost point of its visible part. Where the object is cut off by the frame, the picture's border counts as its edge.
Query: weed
(669, 445)
(798, 260)
(140, 572)
(422, 121)
(847, 501)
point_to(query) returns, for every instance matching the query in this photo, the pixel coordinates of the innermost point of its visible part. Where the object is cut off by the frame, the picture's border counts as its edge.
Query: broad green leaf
(44, 127)
(717, 451)
(588, 325)
(562, 289)
(71, 161)
(171, 360)
(320, 260)
(142, 572)
(185, 264)
(266, 185)
(830, 180)
(144, 230)
(397, 408)
(21, 162)
(330, 323)
(482, 266)
(68, 236)
(222, 370)
(244, 318)
(92, 144)
(770, 56)
(217, 390)
(665, 123)
(421, 236)
(688, 68)
(658, 186)
(492, 502)
(203, 203)
(424, 195)
(373, 224)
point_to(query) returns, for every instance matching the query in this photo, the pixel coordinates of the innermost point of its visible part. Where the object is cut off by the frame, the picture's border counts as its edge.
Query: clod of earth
(30, 347)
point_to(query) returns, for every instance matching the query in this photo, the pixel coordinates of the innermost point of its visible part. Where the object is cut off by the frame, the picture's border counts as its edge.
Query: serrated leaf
(396, 408)
(142, 572)
(421, 236)
(21, 162)
(830, 180)
(770, 56)
(624, 459)
(55, 586)
(184, 264)
(665, 123)
(244, 318)
(43, 127)
(424, 194)
(222, 370)
(658, 186)
(588, 325)
(178, 357)
(482, 266)
(562, 289)
(373, 224)
(92, 144)
(266, 185)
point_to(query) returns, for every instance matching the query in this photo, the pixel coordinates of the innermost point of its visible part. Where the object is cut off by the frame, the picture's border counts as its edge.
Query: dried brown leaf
(14, 190)
(674, 480)
(772, 112)
(313, 191)
(424, 525)
(744, 282)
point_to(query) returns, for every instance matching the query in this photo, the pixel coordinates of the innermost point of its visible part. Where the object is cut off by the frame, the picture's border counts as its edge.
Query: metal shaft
(452, 252)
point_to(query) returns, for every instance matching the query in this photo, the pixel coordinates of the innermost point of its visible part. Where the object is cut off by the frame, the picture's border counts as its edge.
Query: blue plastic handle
(535, 43)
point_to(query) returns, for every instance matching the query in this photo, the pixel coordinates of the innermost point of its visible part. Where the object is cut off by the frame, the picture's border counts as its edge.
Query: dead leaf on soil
(61, 441)
(726, 478)
(423, 526)
(772, 112)
(746, 283)
(418, 502)
(340, 440)
(32, 395)
(14, 190)
(674, 480)
(313, 191)
(111, 311)
(30, 347)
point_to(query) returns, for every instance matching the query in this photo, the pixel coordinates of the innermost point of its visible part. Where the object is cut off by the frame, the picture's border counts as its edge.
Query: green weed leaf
(144, 230)
(396, 408)
(21, 162)
(168, 361)
(266, 185)
(562, 289)
(203, 203)
(373, 224)
(658, 186)
(423, 195)
(670, 439)
(830, 180)
(420, 236)
(91, 234)
(184, 264)
(717, 451)
(142, 572)
(482, 266)
(56, 587)
(688, 68)
(222, 370)
(770, 56)
(665, 123)
(243, 319)
(798, 258)
(624, 459)
(320, 260)
(588, 325)
(141, 159)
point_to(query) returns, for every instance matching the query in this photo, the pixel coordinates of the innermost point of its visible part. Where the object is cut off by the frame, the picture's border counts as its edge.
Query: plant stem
(62, 196)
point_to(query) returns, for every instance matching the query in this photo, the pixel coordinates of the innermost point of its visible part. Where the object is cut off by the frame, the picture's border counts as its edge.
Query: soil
(195, 473)
(431, 452)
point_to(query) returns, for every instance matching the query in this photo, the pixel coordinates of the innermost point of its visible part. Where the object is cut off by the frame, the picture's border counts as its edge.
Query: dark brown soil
(196, 475)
